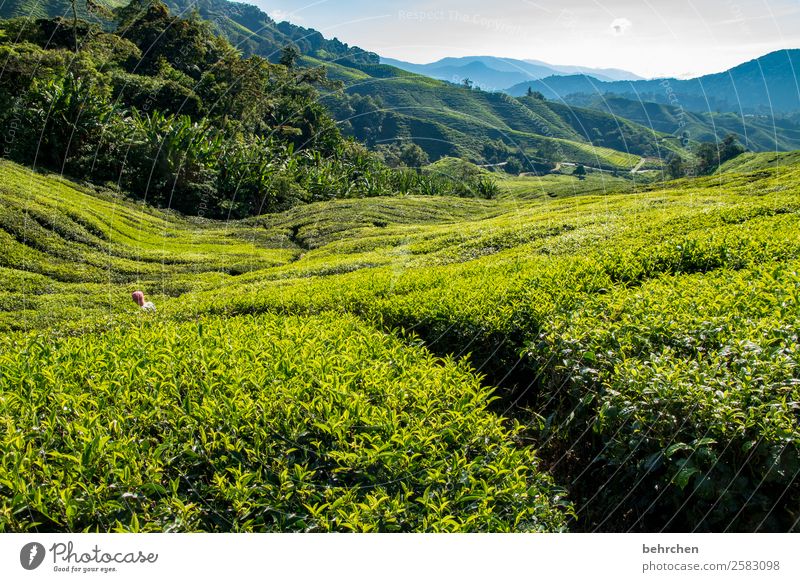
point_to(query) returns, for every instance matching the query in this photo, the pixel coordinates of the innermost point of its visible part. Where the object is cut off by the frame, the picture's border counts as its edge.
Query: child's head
(138, 297)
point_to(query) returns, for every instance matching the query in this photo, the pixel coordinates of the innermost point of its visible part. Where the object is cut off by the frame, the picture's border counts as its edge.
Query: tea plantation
(604, 362)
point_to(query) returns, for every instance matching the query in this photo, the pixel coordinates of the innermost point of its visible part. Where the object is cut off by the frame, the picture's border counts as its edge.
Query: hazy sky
(648, 37)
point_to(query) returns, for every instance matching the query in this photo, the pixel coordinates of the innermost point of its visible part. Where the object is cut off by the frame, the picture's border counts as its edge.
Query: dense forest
(158, 105)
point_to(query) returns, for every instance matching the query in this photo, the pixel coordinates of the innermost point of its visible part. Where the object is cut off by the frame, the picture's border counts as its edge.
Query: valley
(255, 279)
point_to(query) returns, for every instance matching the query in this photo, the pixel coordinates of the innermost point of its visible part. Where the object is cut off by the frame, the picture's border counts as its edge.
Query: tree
(675, 167)
(413, 156)
(712, 155)
(166, 109)
(535, 94)
(495, 151)
(61, 120)
(467, 83)
(708, 158)
(188, 45)
(74, 5)
(730, 148)
(289, 55)
(362, 115)
(580, 171)
(513, 166)
(408, 155)
(129, 13)
(92, 7)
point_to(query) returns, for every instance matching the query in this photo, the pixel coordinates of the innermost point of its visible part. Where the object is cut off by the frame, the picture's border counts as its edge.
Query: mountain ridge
(455, 69)
(756, 132)
(385, 105)
(764, 85)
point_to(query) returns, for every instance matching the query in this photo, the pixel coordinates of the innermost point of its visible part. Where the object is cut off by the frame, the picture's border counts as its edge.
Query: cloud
(620, 26)
(282, 15)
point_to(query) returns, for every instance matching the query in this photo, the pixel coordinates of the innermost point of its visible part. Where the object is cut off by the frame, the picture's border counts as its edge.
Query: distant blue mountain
(764, 86)
(495, 73)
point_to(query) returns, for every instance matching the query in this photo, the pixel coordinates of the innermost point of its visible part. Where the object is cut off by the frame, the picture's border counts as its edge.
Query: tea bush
(645, 343)
(256, 424)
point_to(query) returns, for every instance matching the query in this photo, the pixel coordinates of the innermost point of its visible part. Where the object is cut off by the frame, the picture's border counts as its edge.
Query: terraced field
(605, 362)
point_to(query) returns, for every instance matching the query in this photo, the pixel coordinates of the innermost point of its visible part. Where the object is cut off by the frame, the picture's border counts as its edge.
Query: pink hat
(138, 297)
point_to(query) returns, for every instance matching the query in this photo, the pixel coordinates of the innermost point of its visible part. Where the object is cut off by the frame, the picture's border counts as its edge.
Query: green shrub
(256, 424)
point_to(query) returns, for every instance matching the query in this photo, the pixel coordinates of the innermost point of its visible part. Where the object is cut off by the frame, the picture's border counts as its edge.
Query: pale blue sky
(648, 37)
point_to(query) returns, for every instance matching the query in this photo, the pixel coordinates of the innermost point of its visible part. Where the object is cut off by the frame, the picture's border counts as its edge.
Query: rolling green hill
(762, 162)
(758, 133)
(404, 364)
(350, 346)
(247, 27)
(252, 31)
(448, 120)
(444, 119)
(50, 8)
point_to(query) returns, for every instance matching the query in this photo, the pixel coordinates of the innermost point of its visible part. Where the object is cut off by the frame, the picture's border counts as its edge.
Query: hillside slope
(247, 27)
(270, 437)
(384, 105)
(252, 31)
(442, 118)
(756, 132)
(50, 8)
(448, 120)
(760, 163)
(363, 309)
